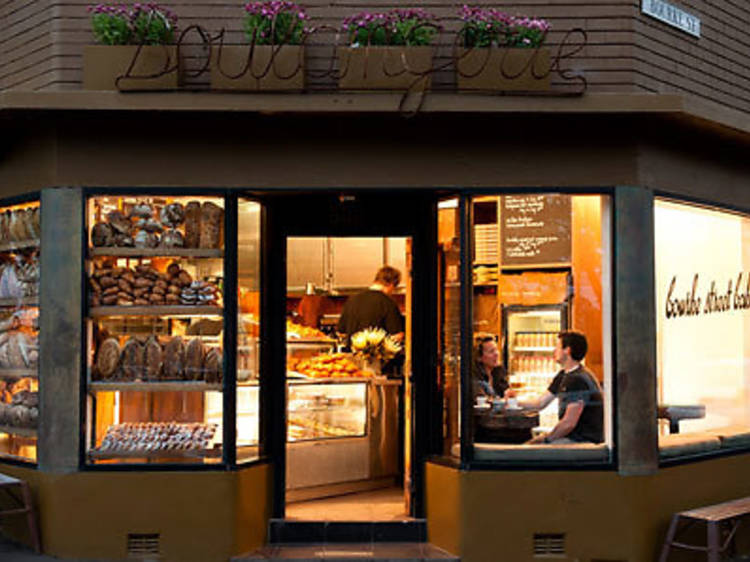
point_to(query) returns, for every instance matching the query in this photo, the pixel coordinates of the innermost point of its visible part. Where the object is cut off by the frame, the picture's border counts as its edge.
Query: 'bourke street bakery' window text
(703, 329)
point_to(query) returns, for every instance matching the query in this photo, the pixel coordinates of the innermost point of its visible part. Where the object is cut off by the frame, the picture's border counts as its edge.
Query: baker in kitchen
(374, 308)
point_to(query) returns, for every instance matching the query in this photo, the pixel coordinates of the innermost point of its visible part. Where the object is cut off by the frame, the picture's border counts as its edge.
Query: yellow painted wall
(201, 516)
(491, 516)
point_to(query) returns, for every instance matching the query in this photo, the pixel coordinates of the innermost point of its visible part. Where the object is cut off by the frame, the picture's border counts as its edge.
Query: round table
(504, 426)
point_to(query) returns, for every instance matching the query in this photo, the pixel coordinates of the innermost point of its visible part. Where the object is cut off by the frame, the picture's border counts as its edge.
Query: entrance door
(329, 430)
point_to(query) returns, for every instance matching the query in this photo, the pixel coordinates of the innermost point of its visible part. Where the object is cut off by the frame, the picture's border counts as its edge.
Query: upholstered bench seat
(734, 436)
(580, 452)
(682, 444)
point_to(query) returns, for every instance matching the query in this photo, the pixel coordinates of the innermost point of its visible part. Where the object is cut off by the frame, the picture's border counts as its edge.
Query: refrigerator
(530, 339)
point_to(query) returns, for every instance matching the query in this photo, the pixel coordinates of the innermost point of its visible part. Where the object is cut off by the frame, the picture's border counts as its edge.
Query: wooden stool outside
(728, 514)
(7, 484)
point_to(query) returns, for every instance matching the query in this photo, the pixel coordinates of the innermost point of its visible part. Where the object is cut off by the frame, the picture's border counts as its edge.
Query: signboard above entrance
(672, 15)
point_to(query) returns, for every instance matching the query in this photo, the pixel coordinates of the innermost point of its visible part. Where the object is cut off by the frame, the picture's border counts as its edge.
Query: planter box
(103, 64)
(271, 68)
(501, 69)
(384, 68)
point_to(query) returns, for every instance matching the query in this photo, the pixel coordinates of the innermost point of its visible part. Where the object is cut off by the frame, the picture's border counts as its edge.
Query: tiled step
(350, 552)
(286, 531)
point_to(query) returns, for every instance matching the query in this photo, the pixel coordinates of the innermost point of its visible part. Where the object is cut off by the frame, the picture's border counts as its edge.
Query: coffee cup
(481, 400)
(513, 403)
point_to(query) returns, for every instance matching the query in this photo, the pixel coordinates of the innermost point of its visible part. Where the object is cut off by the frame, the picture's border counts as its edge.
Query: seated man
(581, 405)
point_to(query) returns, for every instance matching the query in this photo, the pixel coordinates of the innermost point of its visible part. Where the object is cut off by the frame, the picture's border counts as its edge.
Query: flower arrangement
(374, 344)
(484, 27)
(411, 27)
(274, 22)
(118, 24)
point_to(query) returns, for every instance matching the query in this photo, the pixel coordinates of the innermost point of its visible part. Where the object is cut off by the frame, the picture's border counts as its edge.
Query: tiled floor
(386, 504)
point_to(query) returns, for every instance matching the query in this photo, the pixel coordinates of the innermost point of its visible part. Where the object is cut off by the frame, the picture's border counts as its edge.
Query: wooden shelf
(19, 431)
(19, 373)
(19, 302)
(156, 252)
(11, 246)
(180, 310)
(545, 348)
(156, 386)
(181, 454)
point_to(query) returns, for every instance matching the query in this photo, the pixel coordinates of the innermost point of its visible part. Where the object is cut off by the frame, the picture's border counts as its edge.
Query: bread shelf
(156, 386)
(18, 431)
(173, 454)
(19, 302)
(18, 373)
(20, 245)
(181, 310)
(155, 252)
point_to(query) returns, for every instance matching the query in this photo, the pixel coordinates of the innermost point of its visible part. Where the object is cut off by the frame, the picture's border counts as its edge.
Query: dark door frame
(350, 212)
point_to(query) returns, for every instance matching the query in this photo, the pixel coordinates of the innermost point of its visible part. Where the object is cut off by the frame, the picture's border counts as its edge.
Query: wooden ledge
(678, 105)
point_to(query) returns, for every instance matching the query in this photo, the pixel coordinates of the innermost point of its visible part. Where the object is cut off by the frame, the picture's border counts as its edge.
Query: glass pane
(248, 329)
(19, 330)
(703, 323)
(155, 329)
(540, 265)
(449, 259)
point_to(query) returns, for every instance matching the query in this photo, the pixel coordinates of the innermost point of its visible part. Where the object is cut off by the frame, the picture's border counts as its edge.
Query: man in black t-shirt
(581, 404)
(374, 308)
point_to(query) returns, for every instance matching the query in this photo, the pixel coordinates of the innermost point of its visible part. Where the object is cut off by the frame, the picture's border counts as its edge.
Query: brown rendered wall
(626, 52)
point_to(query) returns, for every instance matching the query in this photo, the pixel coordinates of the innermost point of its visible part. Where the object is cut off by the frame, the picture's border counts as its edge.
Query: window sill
(688, 444)
(583, 452)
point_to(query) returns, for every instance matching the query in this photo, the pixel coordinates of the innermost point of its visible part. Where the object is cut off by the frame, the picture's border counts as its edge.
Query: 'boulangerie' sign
(672, 15)
(535, 230)
(696, 300)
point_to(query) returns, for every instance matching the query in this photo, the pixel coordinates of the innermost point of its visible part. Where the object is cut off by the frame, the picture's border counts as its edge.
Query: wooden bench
(723, 516)
(23, 505)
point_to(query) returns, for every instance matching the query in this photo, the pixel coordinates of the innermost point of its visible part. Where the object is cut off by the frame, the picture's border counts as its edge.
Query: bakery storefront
(172, 377)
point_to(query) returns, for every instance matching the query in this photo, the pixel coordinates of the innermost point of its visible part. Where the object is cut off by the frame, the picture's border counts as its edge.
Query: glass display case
(155, 270)
(326, 410)
(20, 232)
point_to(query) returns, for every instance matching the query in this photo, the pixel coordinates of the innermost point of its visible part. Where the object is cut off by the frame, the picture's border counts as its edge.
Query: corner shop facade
(295, 156)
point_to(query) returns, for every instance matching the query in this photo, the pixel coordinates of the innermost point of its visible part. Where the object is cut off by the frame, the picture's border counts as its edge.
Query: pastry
(107, 358)
(172, 239)
(212, 219)
(174, 359)
(144, 239)
(172, 215)
(192, 224)
(194, 359)
(141, 210)
(102, 235)
(119, 222)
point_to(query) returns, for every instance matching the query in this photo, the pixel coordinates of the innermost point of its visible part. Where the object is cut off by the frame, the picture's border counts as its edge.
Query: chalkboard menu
(535, 230)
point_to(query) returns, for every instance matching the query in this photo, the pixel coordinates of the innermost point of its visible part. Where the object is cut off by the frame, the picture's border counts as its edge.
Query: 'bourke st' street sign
(672, 15)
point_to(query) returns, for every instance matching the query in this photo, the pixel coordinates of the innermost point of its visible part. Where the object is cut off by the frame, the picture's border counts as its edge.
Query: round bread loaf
(154, 359)
(174, 359)
(108, 358)
(132, 360)
(194, 360)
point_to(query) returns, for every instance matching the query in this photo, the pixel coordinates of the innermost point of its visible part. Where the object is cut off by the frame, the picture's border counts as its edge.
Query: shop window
(449, 323)
(155, 364)
(248, 329)
(20, 231)
(703, 328)
(540, 269)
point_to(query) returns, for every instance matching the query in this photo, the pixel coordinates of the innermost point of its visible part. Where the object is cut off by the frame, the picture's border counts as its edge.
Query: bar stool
(8, 484)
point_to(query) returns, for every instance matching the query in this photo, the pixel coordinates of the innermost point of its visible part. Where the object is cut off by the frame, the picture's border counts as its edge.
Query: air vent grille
(549, 544)
(143, 545)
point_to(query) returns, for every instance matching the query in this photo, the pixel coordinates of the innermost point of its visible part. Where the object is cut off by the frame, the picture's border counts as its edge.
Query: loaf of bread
(212, 221)
(192, 224)
(132, 360)
(174, 359)
(194, 360)
(153, 359)
(212, 365)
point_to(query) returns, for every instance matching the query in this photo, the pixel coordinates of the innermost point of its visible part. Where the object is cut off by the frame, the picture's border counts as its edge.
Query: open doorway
(347, 378)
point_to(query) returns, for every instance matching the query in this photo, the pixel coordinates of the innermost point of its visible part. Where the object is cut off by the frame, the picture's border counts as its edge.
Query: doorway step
(348, 541)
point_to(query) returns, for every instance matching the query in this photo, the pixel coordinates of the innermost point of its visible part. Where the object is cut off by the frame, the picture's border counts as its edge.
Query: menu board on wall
(535, 230)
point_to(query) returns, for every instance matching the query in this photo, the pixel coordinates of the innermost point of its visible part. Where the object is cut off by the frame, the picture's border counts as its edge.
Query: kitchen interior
(345, 424)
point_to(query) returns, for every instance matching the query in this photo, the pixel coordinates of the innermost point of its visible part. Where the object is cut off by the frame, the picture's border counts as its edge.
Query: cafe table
(504, 425)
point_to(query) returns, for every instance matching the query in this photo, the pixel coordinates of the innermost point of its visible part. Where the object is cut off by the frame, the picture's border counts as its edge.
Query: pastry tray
(173, 454)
